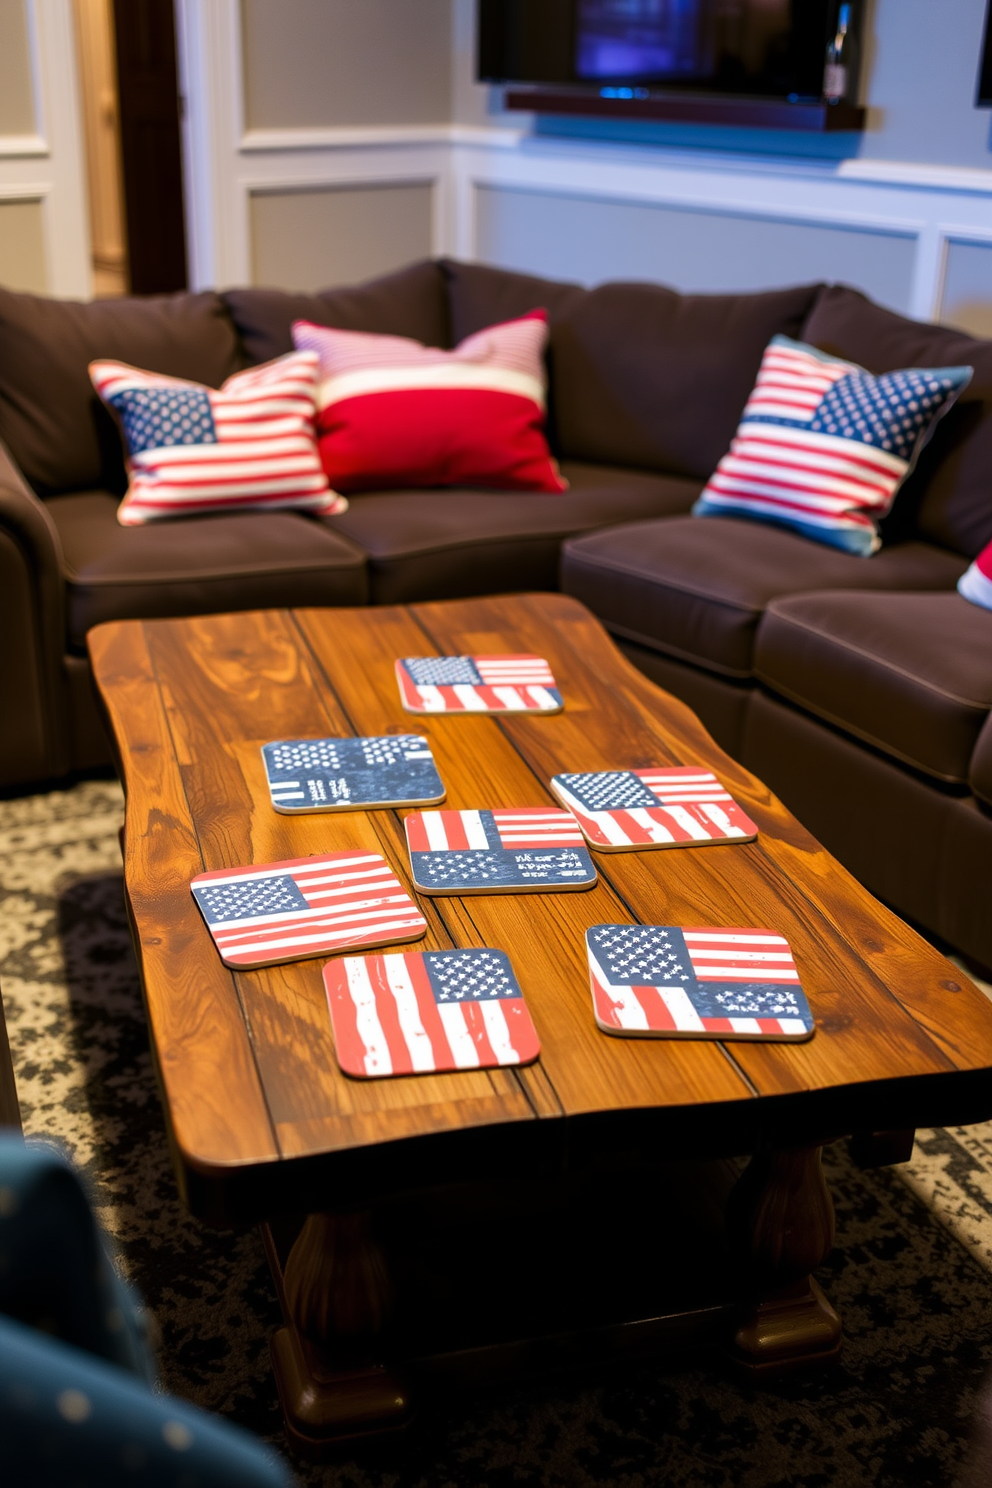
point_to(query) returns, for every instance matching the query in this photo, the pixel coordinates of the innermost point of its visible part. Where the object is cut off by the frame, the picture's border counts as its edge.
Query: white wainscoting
(43, 170)
(576, 208)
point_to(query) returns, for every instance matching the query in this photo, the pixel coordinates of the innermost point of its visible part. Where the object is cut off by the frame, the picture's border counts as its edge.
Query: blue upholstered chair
(76, 1374)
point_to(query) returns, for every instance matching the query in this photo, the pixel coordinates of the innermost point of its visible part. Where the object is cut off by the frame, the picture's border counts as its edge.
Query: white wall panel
(22, 246)
(311, 239)
(591, 239)
(967, 298)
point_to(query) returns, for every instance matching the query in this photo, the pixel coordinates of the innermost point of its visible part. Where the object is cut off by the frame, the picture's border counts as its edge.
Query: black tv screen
(771, 48)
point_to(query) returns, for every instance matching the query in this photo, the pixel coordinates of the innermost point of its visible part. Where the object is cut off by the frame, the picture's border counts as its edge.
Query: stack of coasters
(622, 810)
(663, 981)
(510, 850)
(477, 684)
(426, 1012)
(287, 911)
(344, 774)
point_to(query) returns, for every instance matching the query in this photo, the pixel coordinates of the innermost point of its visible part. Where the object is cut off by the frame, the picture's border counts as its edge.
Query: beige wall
(22, 247)
(967, 299)
(339, 235)
(17, 114)
(317, 63)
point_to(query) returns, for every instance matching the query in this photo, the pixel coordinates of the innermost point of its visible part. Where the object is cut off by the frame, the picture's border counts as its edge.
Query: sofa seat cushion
(51, 420)
(201, 565)
(697, 589)
(448, 544)
(980, 772)
(910, 674)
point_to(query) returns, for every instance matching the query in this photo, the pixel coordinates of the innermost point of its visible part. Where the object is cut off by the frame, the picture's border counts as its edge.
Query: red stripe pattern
(976, 583)
(427, 1012)
(666, 981)
(192, 450)
(823, 446)
(394, 413)
(303, 907)
(477, 684)
(621, 810)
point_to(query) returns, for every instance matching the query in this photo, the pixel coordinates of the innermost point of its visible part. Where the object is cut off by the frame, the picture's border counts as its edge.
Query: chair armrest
(34, 739)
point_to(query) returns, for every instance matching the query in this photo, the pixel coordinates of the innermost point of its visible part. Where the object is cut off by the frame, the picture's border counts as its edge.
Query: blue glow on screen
(639, 38)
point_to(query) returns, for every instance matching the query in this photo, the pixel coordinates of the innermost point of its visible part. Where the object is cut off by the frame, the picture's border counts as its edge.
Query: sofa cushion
(51, 420)
(640, 374)
(202, 565)
(393, 412)
(948, 498)
(910, 674)
(452, 543)
(193, 450)
(696, 590)
(411, 302)
(823, 446)
(980, 773)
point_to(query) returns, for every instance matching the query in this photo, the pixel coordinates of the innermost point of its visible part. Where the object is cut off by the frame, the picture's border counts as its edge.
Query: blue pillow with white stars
(823, 446)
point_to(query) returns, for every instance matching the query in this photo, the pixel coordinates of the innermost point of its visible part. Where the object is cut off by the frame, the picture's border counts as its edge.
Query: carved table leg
(328, 1360)
(781, 1223)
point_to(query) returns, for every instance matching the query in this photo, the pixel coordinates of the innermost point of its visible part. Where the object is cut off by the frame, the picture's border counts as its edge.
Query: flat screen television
(757, 48)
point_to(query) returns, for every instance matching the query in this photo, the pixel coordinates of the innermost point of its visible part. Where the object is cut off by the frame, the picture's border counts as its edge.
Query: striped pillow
(823, 446)
(247, 447)
(394, 413)
(976, 583)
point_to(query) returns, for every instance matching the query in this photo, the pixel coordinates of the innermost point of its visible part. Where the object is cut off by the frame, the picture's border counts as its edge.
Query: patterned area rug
(911, 1273)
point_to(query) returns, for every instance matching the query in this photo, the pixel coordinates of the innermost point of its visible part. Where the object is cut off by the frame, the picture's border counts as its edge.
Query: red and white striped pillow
(248, 446)
(394, 413)
(976, 583)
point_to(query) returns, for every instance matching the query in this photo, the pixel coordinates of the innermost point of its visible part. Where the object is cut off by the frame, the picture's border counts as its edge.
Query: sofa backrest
(51, 420)
(948, 498)
(641, 375)
(411, 302)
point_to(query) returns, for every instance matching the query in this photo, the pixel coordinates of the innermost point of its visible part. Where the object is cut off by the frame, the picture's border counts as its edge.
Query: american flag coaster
(304, 907)
(427, 1012)
(663, 981)
(345, 774)
(477, 684)
(621, 810)
(520, 849)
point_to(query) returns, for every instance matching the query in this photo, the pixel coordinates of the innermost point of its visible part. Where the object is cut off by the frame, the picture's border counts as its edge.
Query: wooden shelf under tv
(759, 113)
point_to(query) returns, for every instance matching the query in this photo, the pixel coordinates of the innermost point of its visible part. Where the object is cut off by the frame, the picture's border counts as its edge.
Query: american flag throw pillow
(248, 446)
(976, 583)
(394, 413)
(823, 446)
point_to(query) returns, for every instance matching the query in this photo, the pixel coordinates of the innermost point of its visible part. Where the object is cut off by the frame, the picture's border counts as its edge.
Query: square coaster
(307, 775)
(667, 981)
(477, 684)
(426, 1012)
(302, 907)
(621, 810)
(510, 850)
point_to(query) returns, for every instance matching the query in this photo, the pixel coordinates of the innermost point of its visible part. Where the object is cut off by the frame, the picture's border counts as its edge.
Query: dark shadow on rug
(916, 1306)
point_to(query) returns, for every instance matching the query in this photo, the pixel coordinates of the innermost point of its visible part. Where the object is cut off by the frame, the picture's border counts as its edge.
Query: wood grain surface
(247, 1058)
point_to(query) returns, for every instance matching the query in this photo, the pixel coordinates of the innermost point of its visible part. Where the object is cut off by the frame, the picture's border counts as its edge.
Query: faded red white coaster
(710, 982)
(477, 684)
(428, 1012)
(509, 850)
(623, 810)
(287, 911)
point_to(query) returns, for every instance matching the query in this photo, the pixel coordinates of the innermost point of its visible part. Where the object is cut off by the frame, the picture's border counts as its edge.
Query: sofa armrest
(34, 735)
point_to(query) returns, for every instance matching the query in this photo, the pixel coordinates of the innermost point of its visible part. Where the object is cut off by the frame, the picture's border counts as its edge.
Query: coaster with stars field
(709, 982)
(307, 775)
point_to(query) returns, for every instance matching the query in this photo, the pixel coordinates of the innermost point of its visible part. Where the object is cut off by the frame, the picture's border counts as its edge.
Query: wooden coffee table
(425, 1230)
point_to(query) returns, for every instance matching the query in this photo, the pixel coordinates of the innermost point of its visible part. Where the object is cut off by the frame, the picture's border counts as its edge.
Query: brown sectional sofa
(859, 688)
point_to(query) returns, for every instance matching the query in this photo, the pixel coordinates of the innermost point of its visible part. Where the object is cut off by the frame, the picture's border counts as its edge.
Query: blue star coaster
(307, 775)
(510, 850)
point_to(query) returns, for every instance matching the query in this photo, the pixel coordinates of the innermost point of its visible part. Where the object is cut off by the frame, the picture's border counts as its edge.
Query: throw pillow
(394, 413)
(823, 446)
(193, 450)
(976, 583)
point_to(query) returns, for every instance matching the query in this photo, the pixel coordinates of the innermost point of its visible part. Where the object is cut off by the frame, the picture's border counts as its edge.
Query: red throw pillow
(976, 584)
(394, 413)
